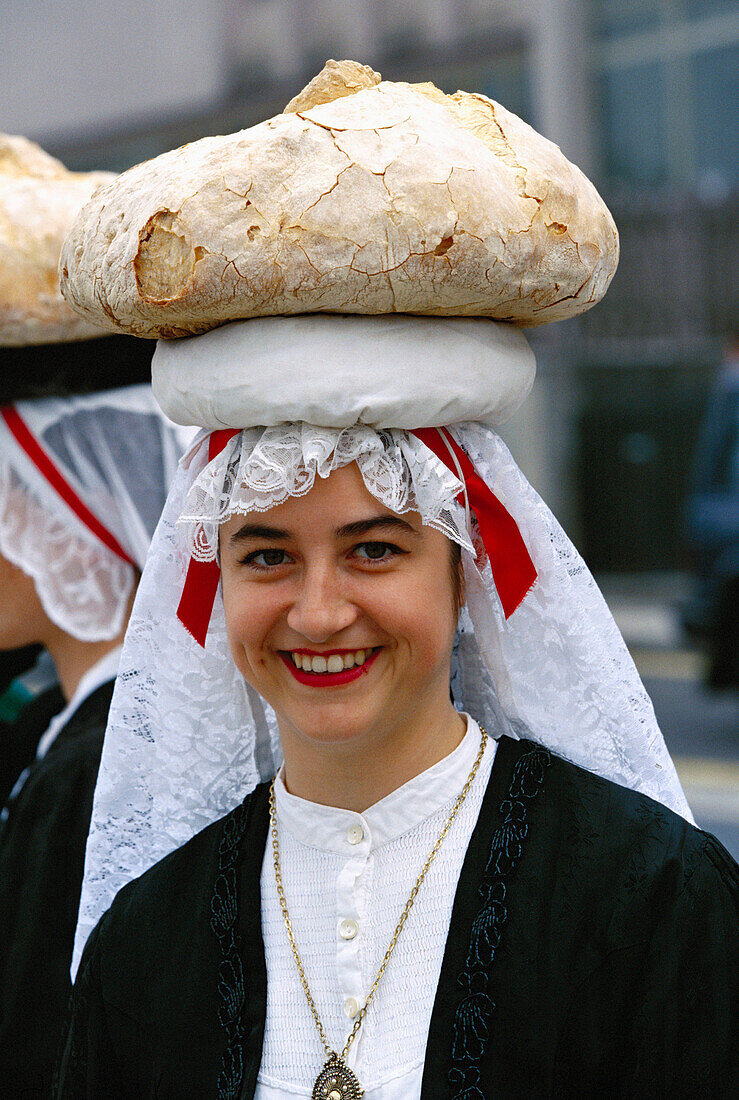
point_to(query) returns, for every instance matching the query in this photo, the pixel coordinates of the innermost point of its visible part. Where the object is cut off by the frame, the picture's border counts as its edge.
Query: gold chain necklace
(336, 1081)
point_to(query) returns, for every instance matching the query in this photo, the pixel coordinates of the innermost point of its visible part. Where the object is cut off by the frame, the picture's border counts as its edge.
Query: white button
(351, 1007)
(348, 929)
(354, 834)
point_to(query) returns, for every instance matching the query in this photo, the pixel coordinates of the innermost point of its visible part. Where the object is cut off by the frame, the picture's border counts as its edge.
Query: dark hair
(457, 575)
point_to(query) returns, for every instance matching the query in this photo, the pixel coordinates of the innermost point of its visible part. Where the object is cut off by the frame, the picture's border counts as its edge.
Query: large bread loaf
(38, 201)
(365, 197)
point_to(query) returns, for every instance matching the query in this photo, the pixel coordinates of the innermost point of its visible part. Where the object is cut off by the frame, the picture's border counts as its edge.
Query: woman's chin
(328, 724)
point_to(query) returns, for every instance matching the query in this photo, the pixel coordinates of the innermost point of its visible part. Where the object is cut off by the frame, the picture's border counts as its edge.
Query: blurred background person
(83, 478)
(82, 482)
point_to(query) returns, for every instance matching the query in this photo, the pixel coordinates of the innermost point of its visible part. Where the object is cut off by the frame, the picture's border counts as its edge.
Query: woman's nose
(320, 609)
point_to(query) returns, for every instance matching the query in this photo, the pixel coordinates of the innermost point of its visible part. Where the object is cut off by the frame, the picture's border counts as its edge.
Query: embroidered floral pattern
(472, 1022)
(224, 924)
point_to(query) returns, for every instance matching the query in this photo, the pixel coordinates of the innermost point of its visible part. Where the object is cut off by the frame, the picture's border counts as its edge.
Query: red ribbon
(512, 568)
(510, 562)
(45, 465)
(201, 583)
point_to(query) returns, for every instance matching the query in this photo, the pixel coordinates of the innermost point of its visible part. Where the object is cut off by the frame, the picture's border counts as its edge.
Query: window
(633, 114)
(616, 17)
(716, 107)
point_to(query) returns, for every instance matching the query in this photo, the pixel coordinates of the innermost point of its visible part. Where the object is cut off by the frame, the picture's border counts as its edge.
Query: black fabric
(81, 366)
(617, 969)
(148, 999)
(19, 739)
(13, 662)
(614, 974)
(42, 848)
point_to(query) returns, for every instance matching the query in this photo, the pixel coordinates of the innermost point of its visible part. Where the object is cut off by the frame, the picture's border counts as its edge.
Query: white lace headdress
(187, 738)
(82, 484)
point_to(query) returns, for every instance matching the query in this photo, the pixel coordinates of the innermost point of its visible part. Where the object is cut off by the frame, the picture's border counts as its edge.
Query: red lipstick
(328, 679)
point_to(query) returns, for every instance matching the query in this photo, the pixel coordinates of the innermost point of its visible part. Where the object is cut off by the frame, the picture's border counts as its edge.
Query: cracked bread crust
(335, 80)
(39, 199)
(363, 198)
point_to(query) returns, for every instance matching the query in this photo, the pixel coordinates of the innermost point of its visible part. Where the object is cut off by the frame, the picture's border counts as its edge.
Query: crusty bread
(363, 197)
(38, 201)
(335, 80)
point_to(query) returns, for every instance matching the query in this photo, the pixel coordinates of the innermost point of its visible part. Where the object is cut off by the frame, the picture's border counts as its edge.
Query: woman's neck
(354, 775)
(73, 657)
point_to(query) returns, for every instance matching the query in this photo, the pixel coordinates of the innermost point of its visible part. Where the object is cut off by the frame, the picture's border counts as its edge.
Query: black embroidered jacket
(592, 952)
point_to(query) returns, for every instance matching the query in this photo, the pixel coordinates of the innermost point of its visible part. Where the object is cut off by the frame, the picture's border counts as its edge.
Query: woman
(82, 482)
(607, 907)
(408, 895)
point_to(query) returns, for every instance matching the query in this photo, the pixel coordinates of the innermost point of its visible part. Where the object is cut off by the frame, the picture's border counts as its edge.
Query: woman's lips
(328, 679)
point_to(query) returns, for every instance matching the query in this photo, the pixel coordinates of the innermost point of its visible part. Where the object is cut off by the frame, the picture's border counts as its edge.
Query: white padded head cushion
(392, 371)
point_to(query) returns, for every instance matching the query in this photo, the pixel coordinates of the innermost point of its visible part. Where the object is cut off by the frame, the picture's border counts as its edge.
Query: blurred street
(701, 728)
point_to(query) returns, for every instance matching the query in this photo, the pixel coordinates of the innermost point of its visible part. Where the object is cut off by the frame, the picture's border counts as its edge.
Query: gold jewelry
(336, 1081)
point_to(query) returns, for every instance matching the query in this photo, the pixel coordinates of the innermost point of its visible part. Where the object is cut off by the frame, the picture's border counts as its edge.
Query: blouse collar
(343, 831)
(100, 673)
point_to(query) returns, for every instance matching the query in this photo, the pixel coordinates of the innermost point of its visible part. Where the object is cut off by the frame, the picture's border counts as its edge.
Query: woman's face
(339, 612)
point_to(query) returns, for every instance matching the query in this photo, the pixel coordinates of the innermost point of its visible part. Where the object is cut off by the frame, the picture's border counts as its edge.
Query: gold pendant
(337, 1082)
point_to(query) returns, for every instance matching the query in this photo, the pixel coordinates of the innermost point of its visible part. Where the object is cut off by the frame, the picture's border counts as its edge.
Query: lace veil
(187, 739)
(74, 469)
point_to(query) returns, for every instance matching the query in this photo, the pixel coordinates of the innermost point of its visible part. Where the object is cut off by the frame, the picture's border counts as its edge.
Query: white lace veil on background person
(326, 288)
(83, 480)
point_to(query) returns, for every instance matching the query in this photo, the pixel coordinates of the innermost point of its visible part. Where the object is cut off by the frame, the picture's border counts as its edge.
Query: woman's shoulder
(167, 948)
(175, 895)
(616, 840)
(626, 816)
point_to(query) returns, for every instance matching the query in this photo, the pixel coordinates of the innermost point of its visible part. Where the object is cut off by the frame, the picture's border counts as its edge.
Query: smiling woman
(310, 610)
(393, 842)
(404, 822)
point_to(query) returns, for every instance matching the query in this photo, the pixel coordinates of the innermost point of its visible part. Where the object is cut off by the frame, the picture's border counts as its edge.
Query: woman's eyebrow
(364, 526)
(348, 530)
(259, 531)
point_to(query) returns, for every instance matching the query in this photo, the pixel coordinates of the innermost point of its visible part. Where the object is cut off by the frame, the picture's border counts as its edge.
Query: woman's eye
(266, 559)
(376, 551)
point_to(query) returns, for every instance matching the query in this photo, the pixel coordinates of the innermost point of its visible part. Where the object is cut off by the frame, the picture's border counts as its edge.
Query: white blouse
(347, 877)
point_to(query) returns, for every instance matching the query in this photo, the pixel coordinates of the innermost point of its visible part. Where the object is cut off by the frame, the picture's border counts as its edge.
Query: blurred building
(76, 75)
(642, 94)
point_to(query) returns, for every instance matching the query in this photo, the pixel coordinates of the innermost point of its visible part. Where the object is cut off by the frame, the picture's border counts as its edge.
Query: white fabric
(119, 454)
(100, 673)
(327, 880)
(187, 739)
(342, 370)
(261, 468)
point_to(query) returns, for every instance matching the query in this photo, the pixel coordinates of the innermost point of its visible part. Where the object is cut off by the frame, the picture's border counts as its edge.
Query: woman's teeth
(337, 662)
